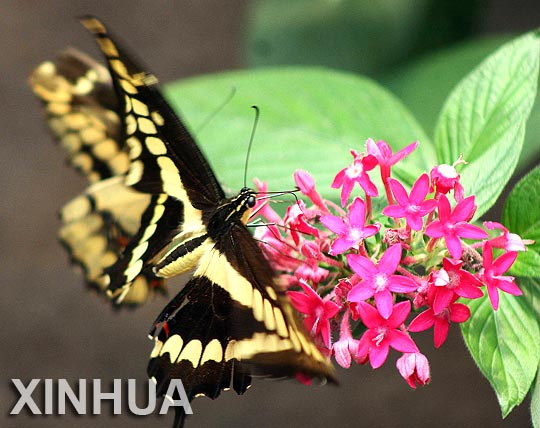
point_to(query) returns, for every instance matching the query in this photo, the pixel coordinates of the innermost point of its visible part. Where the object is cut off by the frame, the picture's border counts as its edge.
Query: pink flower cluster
(359, 276)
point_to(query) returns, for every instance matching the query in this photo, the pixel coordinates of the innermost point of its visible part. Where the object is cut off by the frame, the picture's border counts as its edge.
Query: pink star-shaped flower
(414, 368)
(492, 274)
(295, 218)
(262, 206)
(450, 280)
(356, 173)
(454, 312)
(383, 153)
(318, 311)
(445, 178)
(310, 270)
(383, 333)
(453, 224)
(413, 207)
(306, 184)
(379, 281)
(509, 241)
(346, 348)
(351, 230)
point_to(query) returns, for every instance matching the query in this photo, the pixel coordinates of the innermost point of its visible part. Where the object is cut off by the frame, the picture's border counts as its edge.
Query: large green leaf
(522, 216)
(531, 290)
(484, 118)
(310, 118)
(522, 208)
(424, 85)
(505, 344)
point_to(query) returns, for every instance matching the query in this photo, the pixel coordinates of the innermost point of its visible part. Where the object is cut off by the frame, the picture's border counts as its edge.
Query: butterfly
(153, 210)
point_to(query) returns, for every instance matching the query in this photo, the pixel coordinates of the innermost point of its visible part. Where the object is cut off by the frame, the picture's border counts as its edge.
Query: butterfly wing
(164, 161)
(229, 323)
(81, 110)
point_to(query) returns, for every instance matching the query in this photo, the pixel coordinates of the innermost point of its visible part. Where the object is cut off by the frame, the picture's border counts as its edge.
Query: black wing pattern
(230, 321)
(164, 161)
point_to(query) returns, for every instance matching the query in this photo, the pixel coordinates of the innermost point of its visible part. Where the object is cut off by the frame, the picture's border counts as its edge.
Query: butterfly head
(244, 202)
(233, 211)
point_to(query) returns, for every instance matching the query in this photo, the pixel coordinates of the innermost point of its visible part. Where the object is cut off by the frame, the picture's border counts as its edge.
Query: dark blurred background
(52, 328)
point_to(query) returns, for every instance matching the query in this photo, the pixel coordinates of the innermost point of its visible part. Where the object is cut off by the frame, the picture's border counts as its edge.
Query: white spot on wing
(172, 345)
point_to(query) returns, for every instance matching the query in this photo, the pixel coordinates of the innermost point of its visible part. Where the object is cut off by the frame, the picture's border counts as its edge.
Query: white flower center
(355, 234)
(380, 282)
(381, 332)
(413, 208)
(355, 170)
(447, 171)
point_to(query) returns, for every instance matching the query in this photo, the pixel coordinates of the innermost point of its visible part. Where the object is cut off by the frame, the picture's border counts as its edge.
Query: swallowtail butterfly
(153, 210)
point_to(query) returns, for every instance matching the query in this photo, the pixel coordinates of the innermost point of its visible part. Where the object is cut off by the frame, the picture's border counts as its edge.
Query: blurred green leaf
(505, 344)
(484, 118)
(356, 35)
(310, 118)
(424, 85)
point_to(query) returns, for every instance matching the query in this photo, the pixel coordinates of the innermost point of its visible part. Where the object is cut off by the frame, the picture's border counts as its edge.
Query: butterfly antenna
(270, 195)
(253, 129)
(214, 113)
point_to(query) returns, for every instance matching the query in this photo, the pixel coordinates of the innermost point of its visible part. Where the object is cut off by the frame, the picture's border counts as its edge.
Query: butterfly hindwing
(96, 228)
(230, 322)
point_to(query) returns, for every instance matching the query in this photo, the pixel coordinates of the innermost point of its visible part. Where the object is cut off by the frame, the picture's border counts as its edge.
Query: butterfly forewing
(164, 160)
(161, 149)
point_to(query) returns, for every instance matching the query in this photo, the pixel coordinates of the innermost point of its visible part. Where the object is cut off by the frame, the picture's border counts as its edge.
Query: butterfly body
(155, 210)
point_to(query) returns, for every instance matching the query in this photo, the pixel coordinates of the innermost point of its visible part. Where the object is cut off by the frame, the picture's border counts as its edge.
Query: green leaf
(310, 118)
(424, 85)
(527, 264)
(505, 344)
(522, 209)
(485, 116)
(522, 216)
(531, 292)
